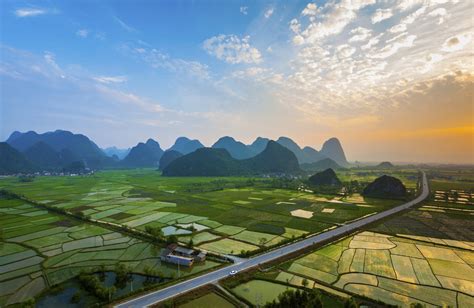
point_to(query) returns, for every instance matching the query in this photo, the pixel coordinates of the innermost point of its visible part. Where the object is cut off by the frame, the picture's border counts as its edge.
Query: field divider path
(155, 297)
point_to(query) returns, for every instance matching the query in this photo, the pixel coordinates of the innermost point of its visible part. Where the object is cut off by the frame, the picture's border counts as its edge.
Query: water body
(69, 288)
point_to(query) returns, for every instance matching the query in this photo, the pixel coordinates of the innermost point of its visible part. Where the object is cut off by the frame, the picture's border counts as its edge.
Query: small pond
(172, 230)
(63, 296)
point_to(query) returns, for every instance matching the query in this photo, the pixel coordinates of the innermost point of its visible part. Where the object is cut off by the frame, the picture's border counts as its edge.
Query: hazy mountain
(274, 159)
(322, 164)
(307, 155)
(258, 145)
(185, 146)
(332, 148)
(79, 145)
(385, 187)
(143, 155)
(120, 153)
(235, 148)
(167, 157)
(43, 156)
(12, 161)
(325, 178)
(218, 162)
(385, 165)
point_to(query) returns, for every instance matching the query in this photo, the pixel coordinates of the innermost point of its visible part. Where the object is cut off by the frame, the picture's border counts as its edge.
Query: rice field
(40, 251)
(392, 269)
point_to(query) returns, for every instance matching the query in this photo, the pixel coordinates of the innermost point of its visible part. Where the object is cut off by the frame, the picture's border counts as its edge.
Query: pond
(171, 230)
(63, 296)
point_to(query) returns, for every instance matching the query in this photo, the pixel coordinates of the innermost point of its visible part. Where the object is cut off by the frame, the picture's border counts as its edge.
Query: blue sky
(123, 71)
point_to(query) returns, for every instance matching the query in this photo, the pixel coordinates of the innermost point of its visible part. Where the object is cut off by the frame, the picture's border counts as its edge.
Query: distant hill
(81, 147)
(274, 159)
(218, 162)
(235, 148)
(143, 155)
(258, 145)
(322, 164)
(168, 157)
(308, 155)
(12, 161)
(44, 156)
(332, 148)
(385, 165)
(325, 178)
(120, 153)
(185, 146)
(385, 187)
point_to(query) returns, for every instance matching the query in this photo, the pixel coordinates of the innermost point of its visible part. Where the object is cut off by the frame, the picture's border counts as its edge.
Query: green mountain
(274, 159)
(143, 155)
(204, 162)
(185, 146)
(12, 161)
(44, 156)
(218, 162)
(168, 157)
(325, 178)
(119, 153)
(258, 145)
(320, 165)
(385, 187)
(81, 147)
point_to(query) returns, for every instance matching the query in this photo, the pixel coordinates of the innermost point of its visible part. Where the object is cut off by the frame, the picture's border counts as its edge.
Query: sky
(393, 80)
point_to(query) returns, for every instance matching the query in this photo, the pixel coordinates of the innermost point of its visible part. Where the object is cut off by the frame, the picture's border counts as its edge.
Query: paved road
(211, 277)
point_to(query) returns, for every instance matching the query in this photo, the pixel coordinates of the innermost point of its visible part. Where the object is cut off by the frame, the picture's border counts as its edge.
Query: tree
(262, 241)
(305, 283)
(351, 303)
(190, 243)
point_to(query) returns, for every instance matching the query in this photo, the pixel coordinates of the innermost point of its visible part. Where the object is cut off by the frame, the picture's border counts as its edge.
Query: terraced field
(213, 212)
(40, 249)
(393, 269)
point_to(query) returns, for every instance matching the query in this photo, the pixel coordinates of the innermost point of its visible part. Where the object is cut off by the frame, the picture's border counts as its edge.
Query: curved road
(188, 285)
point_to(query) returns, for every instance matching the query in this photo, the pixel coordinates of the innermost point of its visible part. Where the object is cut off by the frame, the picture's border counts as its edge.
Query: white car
(232, 273)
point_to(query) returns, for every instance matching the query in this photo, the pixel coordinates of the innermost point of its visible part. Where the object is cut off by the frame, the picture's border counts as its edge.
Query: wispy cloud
(125, 26)
(32, 11)
(244, 10)
(82, 33)
(232, 49)
(269, 12)
(110, 79)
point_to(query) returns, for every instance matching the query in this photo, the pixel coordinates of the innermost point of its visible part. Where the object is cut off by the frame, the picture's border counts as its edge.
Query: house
(182, 255)
(168, 256)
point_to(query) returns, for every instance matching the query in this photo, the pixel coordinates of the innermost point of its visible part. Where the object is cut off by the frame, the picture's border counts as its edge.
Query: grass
(208, 300)
(259, 292)
(228, 246)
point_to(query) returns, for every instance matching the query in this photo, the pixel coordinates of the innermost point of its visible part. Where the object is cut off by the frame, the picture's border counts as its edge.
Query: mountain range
(53, 150)
(218, 162)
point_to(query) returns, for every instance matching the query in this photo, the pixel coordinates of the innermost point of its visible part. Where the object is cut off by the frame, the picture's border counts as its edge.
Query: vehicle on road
(232, 273)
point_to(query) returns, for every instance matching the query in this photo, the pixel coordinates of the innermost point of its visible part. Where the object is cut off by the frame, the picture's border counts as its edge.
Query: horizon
(392, 81)
(165, 147)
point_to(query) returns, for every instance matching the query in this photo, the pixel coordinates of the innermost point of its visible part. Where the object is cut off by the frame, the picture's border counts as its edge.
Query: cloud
(160, 60)
(110, 79)
(125, 26)
(388, 50)
(269, 12)
(232, 49)
(456, 43)
(244, 10)
(310, 10)
(360, 34)
(82, 33)
(30, 12)
(330, 20)
(381, 14)
(439, 12)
